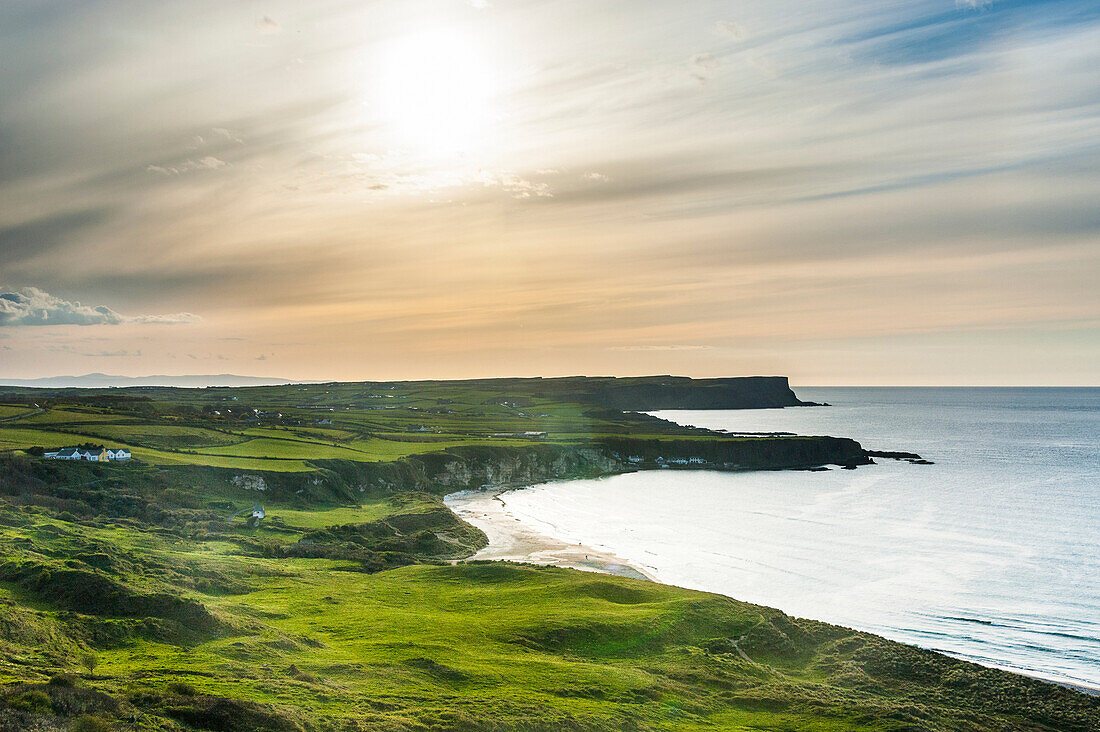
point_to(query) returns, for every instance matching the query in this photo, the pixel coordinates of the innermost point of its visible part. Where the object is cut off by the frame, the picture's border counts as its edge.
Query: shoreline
(514, 540)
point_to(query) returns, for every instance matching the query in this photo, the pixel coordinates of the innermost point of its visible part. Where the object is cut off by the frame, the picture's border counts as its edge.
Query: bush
(182, 688)
(91, 723)
(65, 680)
(32, 701)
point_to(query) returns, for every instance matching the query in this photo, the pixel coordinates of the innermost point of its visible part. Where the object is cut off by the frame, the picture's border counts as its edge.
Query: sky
(841, 192)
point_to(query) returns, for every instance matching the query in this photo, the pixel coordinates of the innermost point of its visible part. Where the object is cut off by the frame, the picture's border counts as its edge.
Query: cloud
(32, 306)
(122, 353)
(716, 189)
(208, 162)
(662, 348)
(519, 187)
(227, 134)
(480, 4)
(268, 25)
(729, 29)
(703, 64)
(599, 177)
(705, 61)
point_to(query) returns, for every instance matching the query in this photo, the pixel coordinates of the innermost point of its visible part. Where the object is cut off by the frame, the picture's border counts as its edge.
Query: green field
(349, 606)
(286, 428)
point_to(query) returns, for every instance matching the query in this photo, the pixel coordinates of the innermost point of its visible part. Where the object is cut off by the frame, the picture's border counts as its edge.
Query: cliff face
(131, 491)
(466, 468)
(651, 393)
(740, 454)
(638, 393)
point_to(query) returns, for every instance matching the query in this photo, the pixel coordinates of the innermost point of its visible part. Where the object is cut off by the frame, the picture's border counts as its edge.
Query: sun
(435, 93)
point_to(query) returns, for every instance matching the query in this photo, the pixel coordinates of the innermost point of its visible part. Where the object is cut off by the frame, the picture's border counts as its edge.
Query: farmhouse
(93, 453)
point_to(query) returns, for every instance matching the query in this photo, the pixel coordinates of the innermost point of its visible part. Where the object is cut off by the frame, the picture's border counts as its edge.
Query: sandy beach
(513, 540)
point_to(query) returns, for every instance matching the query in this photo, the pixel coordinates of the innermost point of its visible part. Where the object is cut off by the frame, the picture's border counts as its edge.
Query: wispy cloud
(729, 29)
(670, 347)
(845, 168)
(268, 25)
(208, 162)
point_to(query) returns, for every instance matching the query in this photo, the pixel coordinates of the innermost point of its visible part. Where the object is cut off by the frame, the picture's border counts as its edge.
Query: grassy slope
(317, 644)
(201, 623)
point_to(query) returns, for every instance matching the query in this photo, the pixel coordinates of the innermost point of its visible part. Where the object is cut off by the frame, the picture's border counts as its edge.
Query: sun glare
(435, 93)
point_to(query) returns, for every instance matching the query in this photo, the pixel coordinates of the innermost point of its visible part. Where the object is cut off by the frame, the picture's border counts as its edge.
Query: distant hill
(103, 381)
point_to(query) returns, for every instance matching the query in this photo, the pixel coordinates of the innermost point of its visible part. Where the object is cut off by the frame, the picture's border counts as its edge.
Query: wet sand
(513, 540)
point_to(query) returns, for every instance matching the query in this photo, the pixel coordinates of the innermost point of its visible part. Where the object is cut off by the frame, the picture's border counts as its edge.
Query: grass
(290, 449)
(158, 457)
(172, 437)
(72, 417)
(484, 645)
(287, 428)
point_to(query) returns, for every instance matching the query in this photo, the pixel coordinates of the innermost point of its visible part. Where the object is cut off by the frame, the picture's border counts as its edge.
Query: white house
(65, 453)
(93, 455)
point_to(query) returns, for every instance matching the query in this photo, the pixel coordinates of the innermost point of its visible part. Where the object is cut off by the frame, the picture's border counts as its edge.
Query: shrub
(91, 723)
(65, 680)
(32, 701)
(182, 688)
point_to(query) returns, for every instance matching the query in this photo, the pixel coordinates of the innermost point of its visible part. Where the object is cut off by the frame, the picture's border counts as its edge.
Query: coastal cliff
(473, 467)
(671, 392)
(642, 393)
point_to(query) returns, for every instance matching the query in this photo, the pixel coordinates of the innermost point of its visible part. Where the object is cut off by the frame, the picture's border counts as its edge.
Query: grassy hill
(288, 428)
(133, 596)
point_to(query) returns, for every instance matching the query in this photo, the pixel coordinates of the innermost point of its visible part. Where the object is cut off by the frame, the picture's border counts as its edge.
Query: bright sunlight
(436, 92)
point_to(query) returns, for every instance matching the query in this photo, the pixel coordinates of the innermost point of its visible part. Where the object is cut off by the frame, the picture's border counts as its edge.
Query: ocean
(991, 554)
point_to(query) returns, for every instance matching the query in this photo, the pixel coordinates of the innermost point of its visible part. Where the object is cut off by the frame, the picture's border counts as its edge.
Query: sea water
(992, 554)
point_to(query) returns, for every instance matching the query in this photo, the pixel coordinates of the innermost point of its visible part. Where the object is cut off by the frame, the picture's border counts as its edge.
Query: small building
(65, 453)
(93, 454)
